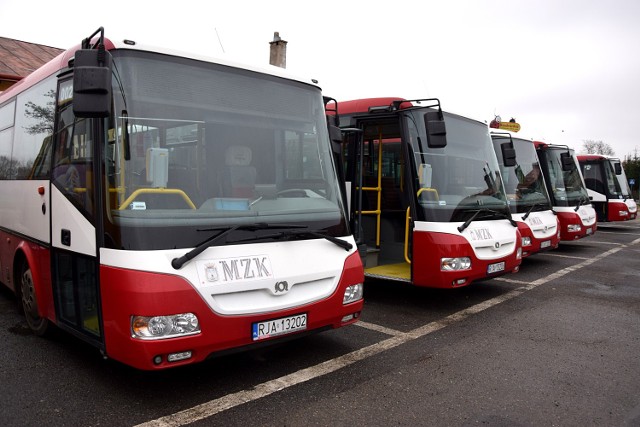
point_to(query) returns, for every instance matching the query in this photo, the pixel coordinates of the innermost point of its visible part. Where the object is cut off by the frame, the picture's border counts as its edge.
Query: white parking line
(562, 256)
(213, 407)
(378, 328)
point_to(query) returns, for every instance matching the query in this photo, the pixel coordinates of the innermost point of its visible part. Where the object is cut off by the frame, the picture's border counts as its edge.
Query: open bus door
(84, 100)
(383, 193)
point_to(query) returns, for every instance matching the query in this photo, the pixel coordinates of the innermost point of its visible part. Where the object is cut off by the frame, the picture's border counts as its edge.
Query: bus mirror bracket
(92, 80)
(508, 154)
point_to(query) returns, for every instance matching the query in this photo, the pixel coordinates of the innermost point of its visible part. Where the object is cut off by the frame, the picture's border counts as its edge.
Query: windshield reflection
(194, 145)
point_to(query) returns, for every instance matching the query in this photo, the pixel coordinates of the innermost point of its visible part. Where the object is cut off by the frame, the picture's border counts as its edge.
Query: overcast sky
(567, 70)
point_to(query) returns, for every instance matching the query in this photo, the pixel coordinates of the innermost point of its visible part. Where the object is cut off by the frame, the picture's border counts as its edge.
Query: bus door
(384, 212)
(73, 217)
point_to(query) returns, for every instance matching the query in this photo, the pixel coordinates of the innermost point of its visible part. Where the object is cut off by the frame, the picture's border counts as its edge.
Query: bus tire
(38, 325)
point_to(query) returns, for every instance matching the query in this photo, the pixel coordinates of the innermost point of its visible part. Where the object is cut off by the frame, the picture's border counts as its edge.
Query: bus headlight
(623, 213)
(526, 241)
(158, 327)
(353, 293)
(572, 228)
(455, 264)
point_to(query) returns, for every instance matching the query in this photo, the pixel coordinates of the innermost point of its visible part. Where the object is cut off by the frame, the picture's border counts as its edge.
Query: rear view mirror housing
(436, 129)
(567, 161)
(618, 168)
(508, 154)
(92, 83)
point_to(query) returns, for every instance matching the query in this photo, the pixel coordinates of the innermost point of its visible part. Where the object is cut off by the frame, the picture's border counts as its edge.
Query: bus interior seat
(239, 177)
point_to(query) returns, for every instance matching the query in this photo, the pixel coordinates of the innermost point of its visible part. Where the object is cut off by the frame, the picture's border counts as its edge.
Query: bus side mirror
(436, 130)
(335, 134)
(618, 168)
(92, 83)
(567, 162)
(508, 154)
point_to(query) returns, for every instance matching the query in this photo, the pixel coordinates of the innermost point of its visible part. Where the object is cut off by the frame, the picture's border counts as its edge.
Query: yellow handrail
(406, 236)
(139, 191)
(430, 190)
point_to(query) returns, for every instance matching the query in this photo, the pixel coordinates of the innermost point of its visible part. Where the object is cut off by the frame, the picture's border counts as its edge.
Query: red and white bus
(567, 191)
(427, 201)
(624, 186)
(527, 195)
(607, 196)
(166, 207)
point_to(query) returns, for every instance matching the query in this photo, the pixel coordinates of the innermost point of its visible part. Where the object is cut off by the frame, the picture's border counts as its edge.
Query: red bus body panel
(126, 293)
(446, 246)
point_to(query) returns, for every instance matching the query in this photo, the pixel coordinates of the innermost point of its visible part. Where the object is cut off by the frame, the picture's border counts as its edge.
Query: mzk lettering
(233, 269)
(480, 234)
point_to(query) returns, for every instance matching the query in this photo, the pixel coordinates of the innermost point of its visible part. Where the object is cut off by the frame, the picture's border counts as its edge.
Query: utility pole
(278, 51)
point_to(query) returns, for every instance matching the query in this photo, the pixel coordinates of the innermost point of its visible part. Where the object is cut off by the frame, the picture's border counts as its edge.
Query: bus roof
(587, 157)
(61, 62)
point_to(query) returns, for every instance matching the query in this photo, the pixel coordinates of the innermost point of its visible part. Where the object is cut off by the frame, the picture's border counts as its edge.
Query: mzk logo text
(232, 269)
(480, 234)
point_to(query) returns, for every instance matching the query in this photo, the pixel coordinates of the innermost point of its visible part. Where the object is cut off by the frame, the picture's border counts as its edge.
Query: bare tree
(590, 146)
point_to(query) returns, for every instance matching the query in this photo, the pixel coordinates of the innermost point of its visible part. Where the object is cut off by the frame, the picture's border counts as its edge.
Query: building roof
(18, 59)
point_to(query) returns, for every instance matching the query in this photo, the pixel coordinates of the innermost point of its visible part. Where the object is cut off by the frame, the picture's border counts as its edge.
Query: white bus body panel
(543, 224)
(21, 208)
(586, 213)
(631, 204)
(66, 216)
(489, 239)
(251, 278)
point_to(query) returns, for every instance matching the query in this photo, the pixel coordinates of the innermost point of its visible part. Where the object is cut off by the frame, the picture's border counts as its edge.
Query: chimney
(278, 51)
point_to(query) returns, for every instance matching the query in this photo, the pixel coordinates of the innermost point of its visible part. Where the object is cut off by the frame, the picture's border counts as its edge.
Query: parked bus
(624, 185)
(567, 191)
(167, 207)
(605, 190)
(527, 195)
(427, 202)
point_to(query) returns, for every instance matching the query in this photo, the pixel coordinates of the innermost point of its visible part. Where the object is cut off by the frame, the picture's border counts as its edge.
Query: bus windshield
(197, 146)
(622, 179)
(456, 181)
(601, 177)
(524, 183)
(567, 188)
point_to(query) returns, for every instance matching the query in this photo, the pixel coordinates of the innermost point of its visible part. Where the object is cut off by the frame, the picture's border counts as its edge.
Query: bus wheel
(36, 323)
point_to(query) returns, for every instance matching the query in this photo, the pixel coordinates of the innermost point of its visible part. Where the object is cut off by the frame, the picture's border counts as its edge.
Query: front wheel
(37, 324)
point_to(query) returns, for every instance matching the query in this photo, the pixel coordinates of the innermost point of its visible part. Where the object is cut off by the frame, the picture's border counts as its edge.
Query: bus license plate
(494, 268)
(284, 325)
(545, 244)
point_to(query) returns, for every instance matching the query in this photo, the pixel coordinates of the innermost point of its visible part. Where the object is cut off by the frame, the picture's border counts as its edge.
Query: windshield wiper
(297, 233)
(535, 207)
(177, 263)
(580, 200)
(490, 211)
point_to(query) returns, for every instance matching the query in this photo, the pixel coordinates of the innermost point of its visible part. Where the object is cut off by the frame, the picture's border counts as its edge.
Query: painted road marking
(216, 406)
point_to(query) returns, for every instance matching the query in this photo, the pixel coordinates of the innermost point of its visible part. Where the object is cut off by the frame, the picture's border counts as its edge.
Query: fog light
(353, 293)
(572, 228)
(455, 264)
(159, 327)
(526, 241)
(459, 282)
(157, 360)
(183, 355)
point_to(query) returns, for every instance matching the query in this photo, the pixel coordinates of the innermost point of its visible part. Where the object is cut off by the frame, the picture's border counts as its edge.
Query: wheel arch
(37, 259)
